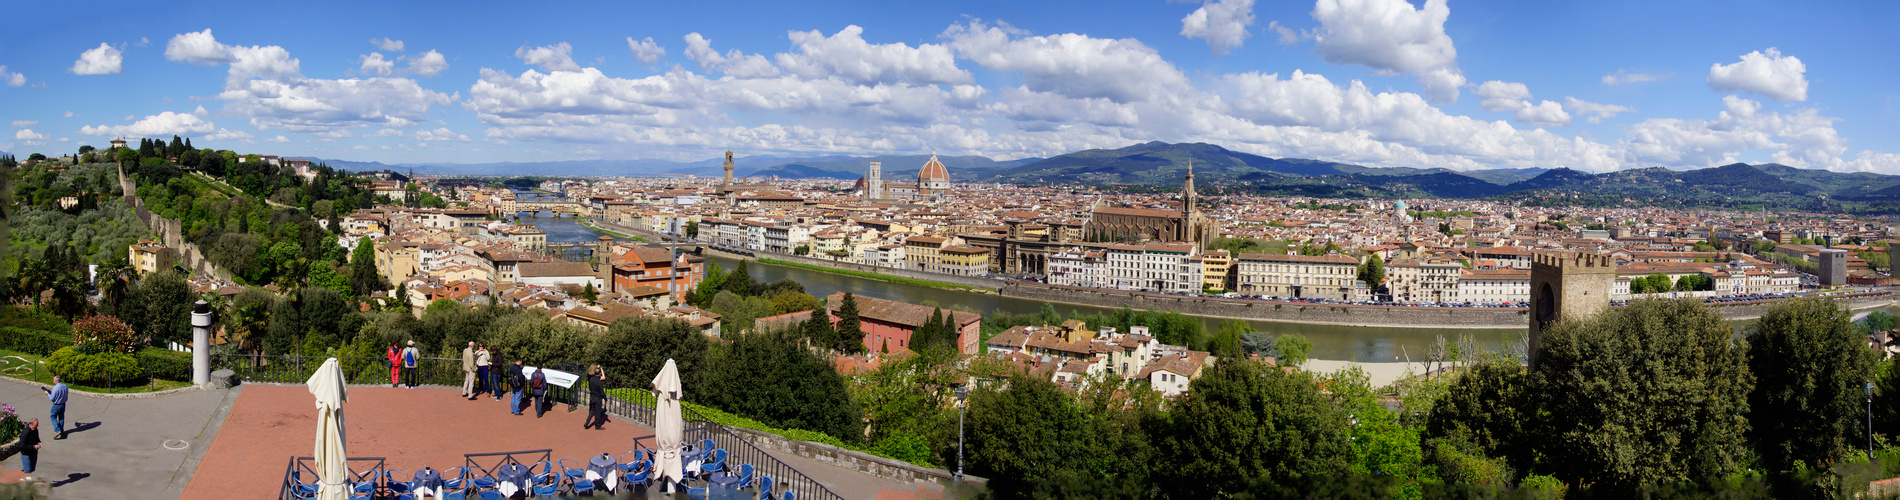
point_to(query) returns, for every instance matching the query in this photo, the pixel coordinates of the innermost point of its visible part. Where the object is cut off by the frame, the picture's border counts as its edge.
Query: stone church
(1134, 225)
(933, 184)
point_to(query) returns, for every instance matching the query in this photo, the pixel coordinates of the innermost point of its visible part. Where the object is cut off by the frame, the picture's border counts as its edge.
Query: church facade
(933, 184)
(1135, 225)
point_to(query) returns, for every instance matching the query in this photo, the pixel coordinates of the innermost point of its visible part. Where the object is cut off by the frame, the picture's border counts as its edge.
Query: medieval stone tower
(1567, 285)
(728, 168)
(874, 182)
(604, 263)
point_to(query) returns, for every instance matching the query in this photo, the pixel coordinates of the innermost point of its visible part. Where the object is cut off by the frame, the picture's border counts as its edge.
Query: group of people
(482, 375)
(30, 436)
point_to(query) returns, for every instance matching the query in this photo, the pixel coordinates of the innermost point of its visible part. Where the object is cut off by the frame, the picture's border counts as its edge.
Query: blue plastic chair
(492, 495)
(791, 496)
(456, 481)
(396, 486)
(716, 463)
(699, 493)
(628, 466)
(364, 490)
(577, 481)
(745, 477)
(301, 489)
(765, 487)
(545, 485)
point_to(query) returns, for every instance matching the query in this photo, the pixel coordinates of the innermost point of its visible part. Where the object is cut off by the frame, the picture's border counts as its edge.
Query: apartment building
(1299, 276)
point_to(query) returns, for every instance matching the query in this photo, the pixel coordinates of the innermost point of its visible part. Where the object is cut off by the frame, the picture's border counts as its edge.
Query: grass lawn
(590, 225)
(30, 367)
(865, 275)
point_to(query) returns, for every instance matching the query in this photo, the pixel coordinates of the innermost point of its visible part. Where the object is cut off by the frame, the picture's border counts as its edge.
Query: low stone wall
(858, 461)
(1294, 312)
(1742, 311)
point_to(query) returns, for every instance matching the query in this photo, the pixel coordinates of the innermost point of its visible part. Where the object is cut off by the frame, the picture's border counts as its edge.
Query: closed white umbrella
(669, 427)
(333, 470)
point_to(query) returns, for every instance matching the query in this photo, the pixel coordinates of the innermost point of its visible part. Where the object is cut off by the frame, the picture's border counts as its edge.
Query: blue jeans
(27, 462)
(59, 419)
(494, 382)
(515, 407)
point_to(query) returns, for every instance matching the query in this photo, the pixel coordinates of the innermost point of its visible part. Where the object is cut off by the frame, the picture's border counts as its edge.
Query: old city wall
(171, 233)
(1328, 314)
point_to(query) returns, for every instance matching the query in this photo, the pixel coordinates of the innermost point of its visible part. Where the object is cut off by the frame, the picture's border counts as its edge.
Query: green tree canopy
(1243, 428)
(774, 379)
(1809, 365)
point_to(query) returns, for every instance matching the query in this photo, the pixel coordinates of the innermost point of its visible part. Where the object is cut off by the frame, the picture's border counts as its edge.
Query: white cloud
(735, 64)
(12, 79)
(1770, 74)
(557, 57)
(69, 114)
(846, 55)
(1391, 35)
(130, 117)
(646, 51)
(1072, 65)
(27, 134)
(167, 123)
(1624, 75)
(103, 60)
(228, 135)
(1503, 96)
(1546, 113)
(374, 64)
(198, 48)
(1596, 112)
(387, 44)
(429, 64)
(440, 134)
(280, 139)
(1287, 35)
(25, 123)
(201, 111)
(1223, 23)
(143, 41)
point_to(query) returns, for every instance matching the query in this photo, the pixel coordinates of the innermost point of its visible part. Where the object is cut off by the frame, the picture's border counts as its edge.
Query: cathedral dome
(933, 169)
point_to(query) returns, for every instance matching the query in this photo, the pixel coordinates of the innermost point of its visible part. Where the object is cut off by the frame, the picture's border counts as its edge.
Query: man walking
(515, 383)
(30, 447)
(57, 395)
(468, 372)
(409, 358)
(540, 386)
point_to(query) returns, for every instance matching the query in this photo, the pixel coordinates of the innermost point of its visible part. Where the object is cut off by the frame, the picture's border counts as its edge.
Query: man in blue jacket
(57, 395)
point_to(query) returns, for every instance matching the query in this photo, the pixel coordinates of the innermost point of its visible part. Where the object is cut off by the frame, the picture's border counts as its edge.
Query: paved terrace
(133, 448)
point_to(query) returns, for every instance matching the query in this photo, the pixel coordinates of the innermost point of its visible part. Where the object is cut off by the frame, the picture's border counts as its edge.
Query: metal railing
(448, 372)
(307, 465)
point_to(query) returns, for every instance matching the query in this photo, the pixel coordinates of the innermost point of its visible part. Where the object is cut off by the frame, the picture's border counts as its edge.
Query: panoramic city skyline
(1377, 82)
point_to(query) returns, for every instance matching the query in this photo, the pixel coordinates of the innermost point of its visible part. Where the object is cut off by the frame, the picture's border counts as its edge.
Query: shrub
(32, 341)
(100, 334)
(10, 424)
(106, 369)
(165, 363)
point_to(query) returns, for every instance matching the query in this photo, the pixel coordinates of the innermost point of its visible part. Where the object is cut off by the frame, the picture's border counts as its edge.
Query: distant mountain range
(1158, 165)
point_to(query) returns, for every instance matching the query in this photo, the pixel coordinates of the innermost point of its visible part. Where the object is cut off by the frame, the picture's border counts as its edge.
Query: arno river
(1329, 342)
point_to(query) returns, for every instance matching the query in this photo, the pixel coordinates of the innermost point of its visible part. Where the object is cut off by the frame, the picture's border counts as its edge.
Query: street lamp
(962, 396)
(1870, 418)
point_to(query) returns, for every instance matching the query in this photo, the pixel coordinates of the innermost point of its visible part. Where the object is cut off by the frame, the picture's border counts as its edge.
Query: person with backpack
(409, 358)
(540, 386)
(515, 383)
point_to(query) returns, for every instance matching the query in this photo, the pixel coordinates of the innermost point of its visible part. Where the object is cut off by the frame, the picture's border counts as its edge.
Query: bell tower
(1567, 285)
(728, 168)
(1190, 214)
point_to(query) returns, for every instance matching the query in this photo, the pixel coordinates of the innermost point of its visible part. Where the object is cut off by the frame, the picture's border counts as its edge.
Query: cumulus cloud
(846, 55)
(103, 60)
(735, 64)
(429, 64)
(27, 134)
(440, 135)
(198, 48)
(267, 85)
(387, 44)
(228, 135)
(646, 51)
(12, 79)
(1287, 35)
(69, 114)
(1595, 112)
(1503, 96)
(1771, 74)
(374, 64)
(1072, 65)
(1223, 23)
(279, 139)
(1392, 35)
(1546, 113)
(557, 57)
(1624, 75)
(167, 123)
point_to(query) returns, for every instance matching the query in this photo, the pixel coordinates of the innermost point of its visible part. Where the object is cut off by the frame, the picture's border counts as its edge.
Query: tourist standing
(515, 383)
(468, 371)
(481, 371)
(30, 447)
(394, 361)
(409, 358)
(540, 386)
(596, 398)
(57, 395)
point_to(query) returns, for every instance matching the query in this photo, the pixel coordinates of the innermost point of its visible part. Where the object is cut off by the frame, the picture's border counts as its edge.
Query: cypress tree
(850, 336)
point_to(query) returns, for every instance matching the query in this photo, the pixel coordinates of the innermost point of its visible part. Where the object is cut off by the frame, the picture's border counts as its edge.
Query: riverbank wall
(980, 284)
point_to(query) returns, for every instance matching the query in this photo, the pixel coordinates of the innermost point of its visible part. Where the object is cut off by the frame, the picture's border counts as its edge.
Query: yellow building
(923, 252)
(148, 256)
(965, 260)
(1214, 266)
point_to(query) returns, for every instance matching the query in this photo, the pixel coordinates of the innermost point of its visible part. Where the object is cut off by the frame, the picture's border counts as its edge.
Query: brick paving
(413, 428)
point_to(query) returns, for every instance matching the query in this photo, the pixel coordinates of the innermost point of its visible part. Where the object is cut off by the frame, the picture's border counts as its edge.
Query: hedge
(108, 369)
(37, 342)
(165, 364)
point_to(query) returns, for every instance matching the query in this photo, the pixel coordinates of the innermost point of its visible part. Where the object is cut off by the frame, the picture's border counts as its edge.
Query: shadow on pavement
(79, 427)
(71, 478)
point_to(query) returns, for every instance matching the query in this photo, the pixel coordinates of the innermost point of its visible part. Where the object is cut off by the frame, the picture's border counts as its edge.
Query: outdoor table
(602, 464)
(429, 478)
(513, 473)
(724, 481)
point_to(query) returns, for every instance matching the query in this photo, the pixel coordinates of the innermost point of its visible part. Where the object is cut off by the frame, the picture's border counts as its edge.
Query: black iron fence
(448, 372)
(300, 476)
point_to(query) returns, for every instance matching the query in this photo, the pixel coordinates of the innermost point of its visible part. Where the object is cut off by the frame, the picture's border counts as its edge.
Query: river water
(1329, 341)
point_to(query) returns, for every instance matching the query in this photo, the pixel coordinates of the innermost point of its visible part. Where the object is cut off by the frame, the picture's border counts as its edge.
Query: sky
(1596, 86)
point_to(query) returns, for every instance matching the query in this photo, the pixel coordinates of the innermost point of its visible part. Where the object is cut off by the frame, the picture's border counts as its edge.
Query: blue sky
(1597, 86)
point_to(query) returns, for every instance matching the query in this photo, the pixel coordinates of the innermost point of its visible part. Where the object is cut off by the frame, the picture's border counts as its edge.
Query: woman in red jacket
(395, 364)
